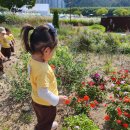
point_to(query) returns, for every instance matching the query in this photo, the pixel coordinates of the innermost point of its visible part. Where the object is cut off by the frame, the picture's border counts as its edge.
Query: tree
(121, 12)
(102, 11)
(56, 19)
(16, 3)
(78, 12)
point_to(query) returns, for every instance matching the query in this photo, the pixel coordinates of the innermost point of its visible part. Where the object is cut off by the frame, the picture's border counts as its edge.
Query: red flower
(67, 102)
(113, 72)
(80, 100)
(53, 67)
(118, 82)
(119, 111)
(120, 99)
(92, 105)
(123, 77)
(126, 114)
(105, 105)
(86, 98)
(119, 121)
(96, 102)
(107, 117)
(83, 83)
(126, 71)
(91, 83)
(125, 125)
(102, 87)
(110, 97)
(126, 99)
(113, 79)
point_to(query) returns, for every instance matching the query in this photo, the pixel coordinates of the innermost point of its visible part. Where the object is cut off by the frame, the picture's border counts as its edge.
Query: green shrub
(81, 22)
(2, 18)
(80, 122)
(21, 87)
(121, 12)
(68, 71)
(97, 41)
(97, 27)
(2, 9)
(102, 11)
(56, 19)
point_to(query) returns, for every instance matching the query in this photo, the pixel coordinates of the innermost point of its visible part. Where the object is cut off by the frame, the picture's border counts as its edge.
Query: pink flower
(122, 82)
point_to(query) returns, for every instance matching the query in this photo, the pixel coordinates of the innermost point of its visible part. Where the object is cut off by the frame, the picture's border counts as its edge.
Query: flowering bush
(120, 83)
(118, 114)
(95, 88)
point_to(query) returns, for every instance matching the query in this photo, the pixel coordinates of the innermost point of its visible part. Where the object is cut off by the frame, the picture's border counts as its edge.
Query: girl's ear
(46, 51)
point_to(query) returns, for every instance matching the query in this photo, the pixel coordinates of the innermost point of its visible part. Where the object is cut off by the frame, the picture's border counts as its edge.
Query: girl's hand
(62, 99)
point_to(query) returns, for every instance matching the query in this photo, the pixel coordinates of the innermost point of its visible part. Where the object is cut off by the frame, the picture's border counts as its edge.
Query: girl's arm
(47, 95)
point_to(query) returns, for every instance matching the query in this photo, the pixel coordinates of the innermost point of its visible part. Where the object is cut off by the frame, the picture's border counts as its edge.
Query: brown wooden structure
(116, 24)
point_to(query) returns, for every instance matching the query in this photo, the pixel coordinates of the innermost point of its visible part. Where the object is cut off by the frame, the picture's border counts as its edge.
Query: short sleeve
(42, 79)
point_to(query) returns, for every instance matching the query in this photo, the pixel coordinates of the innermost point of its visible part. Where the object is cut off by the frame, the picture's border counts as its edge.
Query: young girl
(11, 38)
(41, 44)
(1, 64)
(5, 43)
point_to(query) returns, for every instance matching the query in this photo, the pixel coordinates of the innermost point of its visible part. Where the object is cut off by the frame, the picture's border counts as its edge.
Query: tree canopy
(16, 3)
(99, 3)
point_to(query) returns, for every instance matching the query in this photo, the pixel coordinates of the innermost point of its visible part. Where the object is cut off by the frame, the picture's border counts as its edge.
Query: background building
(52, 3)
(42, 9)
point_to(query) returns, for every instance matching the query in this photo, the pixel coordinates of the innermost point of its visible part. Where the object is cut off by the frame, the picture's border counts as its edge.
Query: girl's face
(2, 35)
(47, 54)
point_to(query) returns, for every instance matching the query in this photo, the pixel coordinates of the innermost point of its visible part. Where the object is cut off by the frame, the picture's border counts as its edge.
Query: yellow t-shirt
(5, 42)
(11, 37)
(41, 75)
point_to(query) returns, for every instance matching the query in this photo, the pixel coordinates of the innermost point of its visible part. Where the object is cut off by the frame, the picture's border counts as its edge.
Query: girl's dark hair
(41, 37)
(7, 30)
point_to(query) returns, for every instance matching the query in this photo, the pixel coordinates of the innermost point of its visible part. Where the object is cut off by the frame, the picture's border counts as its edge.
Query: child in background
(1, 64)
(41, 44)
(5, 43)
(11, 38)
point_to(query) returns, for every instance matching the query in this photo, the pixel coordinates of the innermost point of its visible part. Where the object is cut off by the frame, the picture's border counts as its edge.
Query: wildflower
(122, 82)
(91, 83)
(97, 75)
(118, 82)
(83, 83)
(67, 102)
(119, 121)
(118, 88)
(119, 111)
(80, 100)
(92, 105)
(53, 67)
(107, 117)
(113, 72)
(125, 93)
(126, 114)
(126, 71)
(86, 98)
(125, 125)
(105, 105)
(112, 85)
(96, 102)
(126, 99)
(110, 97)
(113, 79)
(102, 87)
